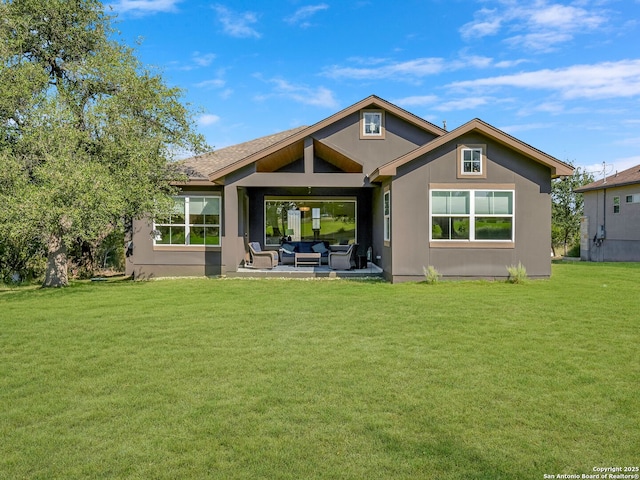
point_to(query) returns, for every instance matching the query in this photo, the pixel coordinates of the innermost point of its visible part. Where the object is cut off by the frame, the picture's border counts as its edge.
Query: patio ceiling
(295, 151)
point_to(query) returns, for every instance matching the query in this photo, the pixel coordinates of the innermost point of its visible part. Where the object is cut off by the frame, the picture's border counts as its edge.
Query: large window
(472, 215)
(387, 216)
(330, 220)
(193, 221)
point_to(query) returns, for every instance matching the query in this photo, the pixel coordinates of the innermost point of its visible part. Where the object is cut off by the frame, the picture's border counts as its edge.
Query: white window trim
(472, 215)
(187, 225)
(387, 216)
(616, 203)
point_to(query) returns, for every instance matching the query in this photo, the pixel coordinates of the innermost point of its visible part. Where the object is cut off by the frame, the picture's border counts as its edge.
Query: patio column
(232, 242)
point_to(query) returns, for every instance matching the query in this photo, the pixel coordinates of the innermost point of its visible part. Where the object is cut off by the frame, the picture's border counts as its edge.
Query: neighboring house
(610, 229)
(470, 202)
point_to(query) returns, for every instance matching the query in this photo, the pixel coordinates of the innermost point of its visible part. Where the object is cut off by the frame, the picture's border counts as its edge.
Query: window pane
(502, 203)
(493, 228)
(450, 228)
(439, 201)
(177, 215)
(204, 211)
(459, 202)
(387, 196)
(177, 235)
(196, 236)
(490, 203)
(483, 202)
(165, 235)
(212, 235)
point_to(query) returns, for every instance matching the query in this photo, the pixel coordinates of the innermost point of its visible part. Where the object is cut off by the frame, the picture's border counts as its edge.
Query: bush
(431, 275)
(517, 274)
(574, 251)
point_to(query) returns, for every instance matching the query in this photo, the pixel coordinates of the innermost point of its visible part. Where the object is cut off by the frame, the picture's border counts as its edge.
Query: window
(331, 220)
(387, 216)
(193, 221)
(372, 124)
(635, 198)
(472, 161)
(616, 204)
(472, 215)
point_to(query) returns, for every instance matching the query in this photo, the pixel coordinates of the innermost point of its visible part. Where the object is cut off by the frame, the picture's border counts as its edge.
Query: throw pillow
(288, 248)
(319, 248)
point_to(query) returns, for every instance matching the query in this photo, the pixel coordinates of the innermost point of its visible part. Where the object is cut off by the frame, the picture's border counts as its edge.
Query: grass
(236, 379)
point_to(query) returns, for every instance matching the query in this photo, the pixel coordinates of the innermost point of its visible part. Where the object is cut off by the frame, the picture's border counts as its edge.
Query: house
(470, 201)
(610, 228)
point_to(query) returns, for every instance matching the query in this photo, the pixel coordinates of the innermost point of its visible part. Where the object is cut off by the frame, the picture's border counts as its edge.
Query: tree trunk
(56, 274)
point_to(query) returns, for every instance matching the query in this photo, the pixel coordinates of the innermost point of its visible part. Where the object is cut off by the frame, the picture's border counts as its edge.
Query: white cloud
(203, 59)
(603, 80)
(624, 163)
(208, 119)
(524, 127)
(316, 96)
(213, 83)
(410, 69)
(237, 24)
(542, 25)
(301, 15)
(462, 104)
(416, 101)
(143, 7)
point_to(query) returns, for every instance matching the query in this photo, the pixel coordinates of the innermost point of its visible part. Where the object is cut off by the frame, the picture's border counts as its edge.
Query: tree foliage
(567, 209)
(86, 131)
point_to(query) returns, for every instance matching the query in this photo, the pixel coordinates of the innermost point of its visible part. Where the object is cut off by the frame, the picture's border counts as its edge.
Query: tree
(567, 208)
(86, 132)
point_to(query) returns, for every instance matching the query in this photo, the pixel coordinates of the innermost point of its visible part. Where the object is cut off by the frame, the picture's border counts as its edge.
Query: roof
(557, 167)
(630, 176)
(200, 166)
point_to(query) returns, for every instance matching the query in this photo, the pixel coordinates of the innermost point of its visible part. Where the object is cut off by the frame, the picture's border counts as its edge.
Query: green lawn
(277, 379)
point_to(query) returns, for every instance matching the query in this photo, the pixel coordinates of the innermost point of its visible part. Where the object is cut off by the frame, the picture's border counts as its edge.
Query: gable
(338, 141)
(477, 126)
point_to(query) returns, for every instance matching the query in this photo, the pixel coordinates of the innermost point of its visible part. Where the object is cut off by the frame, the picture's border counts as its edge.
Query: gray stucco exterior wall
(411, 249)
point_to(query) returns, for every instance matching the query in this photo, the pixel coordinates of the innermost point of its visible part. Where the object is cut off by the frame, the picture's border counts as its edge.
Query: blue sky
(561, 76)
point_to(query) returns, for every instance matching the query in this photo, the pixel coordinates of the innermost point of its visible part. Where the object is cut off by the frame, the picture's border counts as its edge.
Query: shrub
(431, 275)
(575, 251)
(517, 274)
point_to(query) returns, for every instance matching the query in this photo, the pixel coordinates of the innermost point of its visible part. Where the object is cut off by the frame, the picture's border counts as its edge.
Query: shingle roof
(626, 177)
(201, 166)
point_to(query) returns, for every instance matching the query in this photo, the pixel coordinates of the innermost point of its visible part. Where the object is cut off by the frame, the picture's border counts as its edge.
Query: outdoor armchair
(262, 258)
(343, 260)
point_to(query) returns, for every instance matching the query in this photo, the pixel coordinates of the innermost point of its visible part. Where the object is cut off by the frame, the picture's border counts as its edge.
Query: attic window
(372, 124)
(472, 161)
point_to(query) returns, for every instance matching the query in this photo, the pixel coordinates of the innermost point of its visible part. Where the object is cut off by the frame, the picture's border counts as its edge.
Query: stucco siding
(532, 215)
(400, 138)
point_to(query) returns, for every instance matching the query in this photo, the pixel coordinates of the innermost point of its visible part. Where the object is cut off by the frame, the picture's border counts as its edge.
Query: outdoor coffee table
(307, 259)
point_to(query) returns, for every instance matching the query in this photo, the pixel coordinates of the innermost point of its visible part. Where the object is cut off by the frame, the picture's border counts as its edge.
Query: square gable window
(472, 161)
(372, 124)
